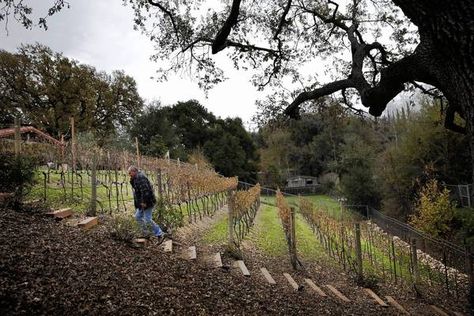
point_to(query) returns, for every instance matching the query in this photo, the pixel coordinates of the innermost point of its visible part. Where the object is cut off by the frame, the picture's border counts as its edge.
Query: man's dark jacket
(142, 191)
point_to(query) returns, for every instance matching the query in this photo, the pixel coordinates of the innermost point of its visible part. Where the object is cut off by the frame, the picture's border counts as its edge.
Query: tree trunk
(447, 51)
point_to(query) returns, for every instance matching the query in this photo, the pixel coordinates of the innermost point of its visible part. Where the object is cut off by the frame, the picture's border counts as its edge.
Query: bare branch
(169, 14)
(282, 20)
(333, 16)
(249, 47)
(429, 92)
(334, 20)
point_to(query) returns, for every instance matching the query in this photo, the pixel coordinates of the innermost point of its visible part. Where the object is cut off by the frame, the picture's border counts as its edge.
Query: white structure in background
(301, 184)
(461, 193)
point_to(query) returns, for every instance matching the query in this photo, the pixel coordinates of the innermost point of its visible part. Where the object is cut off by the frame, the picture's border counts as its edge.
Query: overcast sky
(100, 33)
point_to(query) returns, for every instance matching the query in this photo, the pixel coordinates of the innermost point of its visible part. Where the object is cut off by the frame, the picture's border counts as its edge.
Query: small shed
(301, 181)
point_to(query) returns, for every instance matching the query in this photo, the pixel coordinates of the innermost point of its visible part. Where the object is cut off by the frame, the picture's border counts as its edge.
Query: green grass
(267, 234)
(322, 202)
(269, 237)
(307, 244)
(218, 234)
(56, 196)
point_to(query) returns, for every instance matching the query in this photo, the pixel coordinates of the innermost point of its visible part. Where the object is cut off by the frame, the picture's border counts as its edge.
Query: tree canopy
(375, 47)
(187, 128)
(46, 88)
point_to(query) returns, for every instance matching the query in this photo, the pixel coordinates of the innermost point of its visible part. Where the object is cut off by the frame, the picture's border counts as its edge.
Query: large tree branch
(220, 42)
(293, 108)
(229, 43)
(376, 98)
(449, 122)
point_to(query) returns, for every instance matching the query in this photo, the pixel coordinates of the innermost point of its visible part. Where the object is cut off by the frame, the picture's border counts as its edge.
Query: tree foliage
(358, 171)
(17, 175)
(434, 210)
(22, 11)
(309, 146)
(188, 131)
(375, 48)
(416, 140)
(46, 88)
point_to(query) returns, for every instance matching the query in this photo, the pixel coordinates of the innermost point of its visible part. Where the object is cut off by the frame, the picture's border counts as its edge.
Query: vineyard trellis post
(231, 219)
(93, 204)
(138, 152)
(73, 144)
(17, 137)
(358, 250)
(45, 186)
(292, 241)
(159, 183)
(63, 148)
(414, 262)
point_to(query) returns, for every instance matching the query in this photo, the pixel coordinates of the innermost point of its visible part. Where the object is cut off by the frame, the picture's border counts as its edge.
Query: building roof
(7, 132)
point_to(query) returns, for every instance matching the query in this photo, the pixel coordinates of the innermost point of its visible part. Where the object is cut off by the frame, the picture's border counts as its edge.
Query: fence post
(293, 258)
(231, 219)
(414, 261)
(17, 137)
(93, 204)
(358, 250)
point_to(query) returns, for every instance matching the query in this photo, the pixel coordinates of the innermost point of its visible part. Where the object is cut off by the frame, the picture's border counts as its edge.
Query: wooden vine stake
(358, 250)
(293, 258)
(231, 220)
(93, 203)
(138, 152)
(73, 144)
(414, 262)
(17, 137)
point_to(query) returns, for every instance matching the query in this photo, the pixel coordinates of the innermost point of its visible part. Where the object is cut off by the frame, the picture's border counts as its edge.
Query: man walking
(144, 199)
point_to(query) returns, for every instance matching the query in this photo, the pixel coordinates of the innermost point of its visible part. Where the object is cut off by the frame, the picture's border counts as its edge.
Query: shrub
(123, 227)
(17, 174)
(167, 216)
(434, 210)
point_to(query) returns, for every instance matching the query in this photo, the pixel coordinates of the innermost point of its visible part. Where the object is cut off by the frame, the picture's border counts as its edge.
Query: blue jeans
(145, 221)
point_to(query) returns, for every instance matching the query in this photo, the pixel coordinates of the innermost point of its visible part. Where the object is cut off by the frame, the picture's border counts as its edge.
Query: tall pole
(73, 144)
(63, 146)
(17, 137)
(93, 202)
(138, 152)
(230, 222)
(358, 250)
(292, 232)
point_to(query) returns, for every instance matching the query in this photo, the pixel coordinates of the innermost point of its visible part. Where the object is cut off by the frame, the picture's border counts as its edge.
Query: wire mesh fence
(460, 193)
(389, 249)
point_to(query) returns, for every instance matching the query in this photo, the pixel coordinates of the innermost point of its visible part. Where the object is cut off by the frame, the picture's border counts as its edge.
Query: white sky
(100, 33)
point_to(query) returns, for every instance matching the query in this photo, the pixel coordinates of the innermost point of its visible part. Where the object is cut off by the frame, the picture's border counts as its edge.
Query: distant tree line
(45, 89)
(187, 128)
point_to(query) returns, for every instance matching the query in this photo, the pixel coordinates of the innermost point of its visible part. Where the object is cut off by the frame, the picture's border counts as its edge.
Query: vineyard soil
(49, 268)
